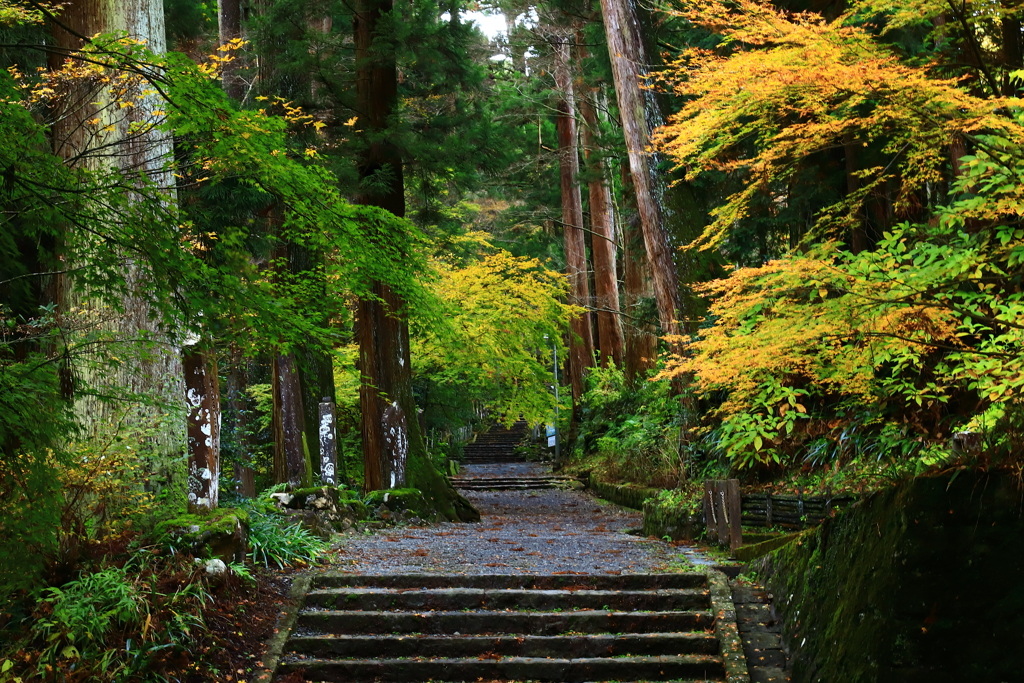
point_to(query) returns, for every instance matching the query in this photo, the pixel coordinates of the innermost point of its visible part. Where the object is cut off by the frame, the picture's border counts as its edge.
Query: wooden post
(800, 508)
(768, 510)
(328, 443)
(721, 513)
(734, 512)
(202, 395)
(723, 510)
(710, 511)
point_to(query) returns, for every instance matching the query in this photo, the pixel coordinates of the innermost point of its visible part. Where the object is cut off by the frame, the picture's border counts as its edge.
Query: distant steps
(512, 483)
(498, 445)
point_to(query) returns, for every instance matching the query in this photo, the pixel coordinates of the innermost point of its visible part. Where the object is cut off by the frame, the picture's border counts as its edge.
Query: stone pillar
(328, 443)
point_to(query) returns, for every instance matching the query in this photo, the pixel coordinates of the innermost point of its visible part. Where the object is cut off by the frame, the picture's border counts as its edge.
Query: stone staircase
(498, 445)
(513, 483)
(427, 627)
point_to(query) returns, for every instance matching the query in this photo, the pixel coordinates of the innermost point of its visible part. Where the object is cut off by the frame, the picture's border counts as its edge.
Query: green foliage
(883, 354)
(631, 434)
(190, 270)
(273, 539)
(83, 612)
(114, 624)
(498, 311)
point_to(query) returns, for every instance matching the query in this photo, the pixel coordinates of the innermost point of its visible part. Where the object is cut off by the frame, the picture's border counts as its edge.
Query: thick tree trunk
(315, 366)
(202, 396)
(122, 139)
(602, 226)
(386, 392)
(237, 382)
(385, 395)
(635, 105)
(1011, 48)
(581, 340)
(393, 451)
(641, 342)
(290, 451)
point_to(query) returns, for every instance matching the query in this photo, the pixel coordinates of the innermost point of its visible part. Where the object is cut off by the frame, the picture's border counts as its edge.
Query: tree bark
(386, 391)
(290, 453)
(243, 472)
(1011, 48)
(581, 340)
(123, 139)
(635, 106)
(202, 395)
(640, 340)
(603, 238)
(393, 449)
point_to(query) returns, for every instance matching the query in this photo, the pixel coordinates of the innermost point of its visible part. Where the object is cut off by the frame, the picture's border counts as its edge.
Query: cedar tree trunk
(602, 225)
(628, 68)
(581, 340)
(121, 139)
(393, 451)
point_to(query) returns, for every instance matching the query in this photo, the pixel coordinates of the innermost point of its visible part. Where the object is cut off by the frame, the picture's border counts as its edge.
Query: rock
(325, 509)
(408, 501)
(221, 534)
(282, 500)
(315, 522)
(216, 567)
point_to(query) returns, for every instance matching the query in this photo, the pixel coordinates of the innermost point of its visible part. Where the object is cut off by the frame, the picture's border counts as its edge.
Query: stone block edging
(285, 623)
(733, 657)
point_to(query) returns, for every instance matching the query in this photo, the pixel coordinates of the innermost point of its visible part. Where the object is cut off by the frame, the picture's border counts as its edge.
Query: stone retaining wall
(676, 524)
(626, 495)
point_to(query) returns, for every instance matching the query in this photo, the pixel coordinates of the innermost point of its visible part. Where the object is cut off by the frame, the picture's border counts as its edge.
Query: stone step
(509, 668)
(570, 647)
(505, 457)
(489, 449)
(511, 480)
(507, 487)
(495, 460)
(478, 623)
(506, 627)
(451, 599)
(566, 581)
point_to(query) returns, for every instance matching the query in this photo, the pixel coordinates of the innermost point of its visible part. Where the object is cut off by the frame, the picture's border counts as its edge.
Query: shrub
(273, 539)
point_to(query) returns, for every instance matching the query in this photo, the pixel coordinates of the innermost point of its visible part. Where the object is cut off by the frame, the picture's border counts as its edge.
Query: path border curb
(294, 603)
(733, 657)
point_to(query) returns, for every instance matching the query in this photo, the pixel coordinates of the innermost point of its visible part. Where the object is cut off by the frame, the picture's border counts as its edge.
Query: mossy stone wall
(920, 583)
(677, 524)
(626, 495)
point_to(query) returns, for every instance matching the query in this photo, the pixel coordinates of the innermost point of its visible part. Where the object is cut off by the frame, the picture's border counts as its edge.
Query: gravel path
(545, 531)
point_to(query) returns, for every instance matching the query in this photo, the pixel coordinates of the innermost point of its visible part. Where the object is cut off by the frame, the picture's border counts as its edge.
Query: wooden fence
(726, 510)
(789, 511)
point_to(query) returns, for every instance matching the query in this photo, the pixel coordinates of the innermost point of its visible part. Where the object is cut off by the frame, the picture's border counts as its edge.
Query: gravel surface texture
(543, 531)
